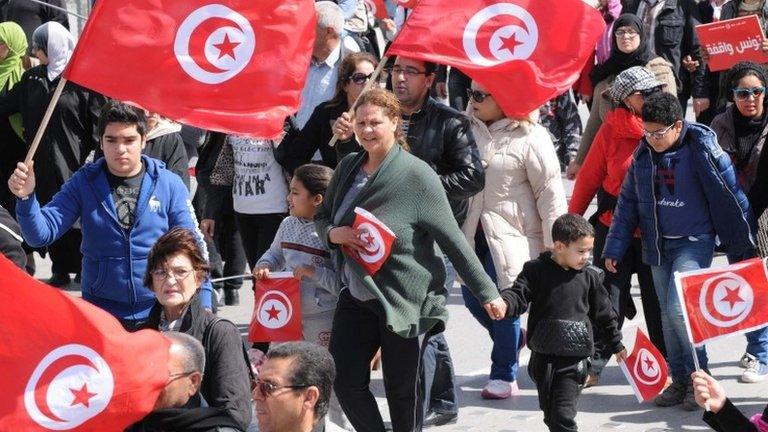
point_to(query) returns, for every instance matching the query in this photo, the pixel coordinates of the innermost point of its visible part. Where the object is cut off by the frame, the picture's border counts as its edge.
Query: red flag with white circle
(70, 366)
(276, 309)
(523, 52)
(378, 239)
(645, 368)
(722, 301)
(234, 66)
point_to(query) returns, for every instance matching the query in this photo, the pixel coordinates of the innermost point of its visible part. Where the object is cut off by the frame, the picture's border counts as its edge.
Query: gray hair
(194, 353)
(329, 14)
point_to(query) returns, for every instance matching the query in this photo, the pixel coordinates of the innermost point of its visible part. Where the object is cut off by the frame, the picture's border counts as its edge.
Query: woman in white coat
(510, 221)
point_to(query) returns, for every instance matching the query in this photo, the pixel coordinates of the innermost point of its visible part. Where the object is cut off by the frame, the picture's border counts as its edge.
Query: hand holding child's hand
(496, 309)
(621, 356)
(260, 272)
(303, 271)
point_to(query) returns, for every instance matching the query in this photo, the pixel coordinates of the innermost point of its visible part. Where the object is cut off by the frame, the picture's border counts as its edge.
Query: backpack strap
(207, 340)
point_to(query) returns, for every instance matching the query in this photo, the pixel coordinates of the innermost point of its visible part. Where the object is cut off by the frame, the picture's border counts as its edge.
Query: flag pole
(698, 369)
(222, 279)
(59, 8)
(44, 122)
(374, 80)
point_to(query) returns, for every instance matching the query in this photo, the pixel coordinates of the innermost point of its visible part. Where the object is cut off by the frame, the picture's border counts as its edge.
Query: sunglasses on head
(477, 95)
(648, 92)
(267, 388)
(742, 93)
(359, 77)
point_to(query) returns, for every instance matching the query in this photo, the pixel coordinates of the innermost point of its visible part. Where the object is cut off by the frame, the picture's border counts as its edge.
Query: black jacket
(226, 381)
(30, 15)
(71, 134)
(194, 416)
(298, 147)
(442, 137)
(11, 240)
(170, 149)
(730, 419)
(675, 38)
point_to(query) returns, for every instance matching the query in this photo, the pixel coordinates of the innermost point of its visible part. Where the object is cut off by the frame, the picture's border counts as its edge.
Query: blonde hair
(389, 104)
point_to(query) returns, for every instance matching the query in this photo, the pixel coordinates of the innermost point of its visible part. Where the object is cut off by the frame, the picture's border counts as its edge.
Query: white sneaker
(748, 361)
(755, 374)
(497, 389)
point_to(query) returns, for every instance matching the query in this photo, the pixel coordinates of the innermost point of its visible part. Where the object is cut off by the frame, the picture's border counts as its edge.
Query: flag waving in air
(524, 52)
(234, 66)
(70, 366)
(645, 368)
(726, 300)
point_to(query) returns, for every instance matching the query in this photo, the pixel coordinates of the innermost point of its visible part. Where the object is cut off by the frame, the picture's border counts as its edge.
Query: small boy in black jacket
(565, 294)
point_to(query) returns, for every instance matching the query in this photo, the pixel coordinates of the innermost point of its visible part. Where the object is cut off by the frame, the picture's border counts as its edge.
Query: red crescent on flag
(492, 26)
(199, 37)
(49, 375)
(710, 299)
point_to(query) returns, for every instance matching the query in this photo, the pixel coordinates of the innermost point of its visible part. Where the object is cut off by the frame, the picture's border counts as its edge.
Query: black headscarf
(618, 61)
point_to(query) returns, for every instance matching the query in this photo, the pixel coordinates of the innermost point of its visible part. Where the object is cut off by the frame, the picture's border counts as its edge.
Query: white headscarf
(57, 43)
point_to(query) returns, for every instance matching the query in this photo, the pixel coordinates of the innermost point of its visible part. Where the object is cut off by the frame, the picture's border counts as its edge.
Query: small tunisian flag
(645, 368)
(378, 240)
(234, 66)
(524, 52)
(276, 309)
(725, 300)
(68, 365)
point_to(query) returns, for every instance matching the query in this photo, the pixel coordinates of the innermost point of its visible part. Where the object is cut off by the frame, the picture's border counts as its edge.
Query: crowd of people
(471, 194)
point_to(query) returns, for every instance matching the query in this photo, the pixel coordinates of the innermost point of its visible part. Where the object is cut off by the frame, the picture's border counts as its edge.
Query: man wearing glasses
(681, 191)
(294, 388)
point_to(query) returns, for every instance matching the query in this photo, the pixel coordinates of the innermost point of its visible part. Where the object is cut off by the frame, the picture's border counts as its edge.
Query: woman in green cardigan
(403, 303)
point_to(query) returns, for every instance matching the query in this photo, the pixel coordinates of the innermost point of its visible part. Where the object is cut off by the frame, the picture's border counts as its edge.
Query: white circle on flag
(647, 369)
(726, 300)
(274, 310)
(523, 38)
(70, 385)
(227, 49)
(374, 243)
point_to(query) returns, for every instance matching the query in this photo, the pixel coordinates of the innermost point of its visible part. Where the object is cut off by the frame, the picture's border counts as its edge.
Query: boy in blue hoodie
(681, 190)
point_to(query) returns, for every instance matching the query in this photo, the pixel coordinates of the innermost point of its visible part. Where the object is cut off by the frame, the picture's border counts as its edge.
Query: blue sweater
(114, 261)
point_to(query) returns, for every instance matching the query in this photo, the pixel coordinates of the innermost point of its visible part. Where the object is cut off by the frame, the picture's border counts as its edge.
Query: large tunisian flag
(726, 300)
(524, 52)
(234, 66)
(68, 365)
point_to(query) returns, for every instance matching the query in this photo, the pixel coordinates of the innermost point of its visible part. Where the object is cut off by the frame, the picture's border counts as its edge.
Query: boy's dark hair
(311, 365)
(314, 177)
(662, 108)
(117, 112)
(571, 227)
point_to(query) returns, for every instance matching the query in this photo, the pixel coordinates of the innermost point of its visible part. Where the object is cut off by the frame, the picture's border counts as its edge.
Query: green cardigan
(407, 196)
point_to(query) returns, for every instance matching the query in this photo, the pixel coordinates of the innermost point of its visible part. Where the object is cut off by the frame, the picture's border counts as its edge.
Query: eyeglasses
(477, 95)
(742, 93)
(174, 376)
(177, 273)
(267, 388)
(657, 134)
(408, 71)
(359, 77)
(629, 33)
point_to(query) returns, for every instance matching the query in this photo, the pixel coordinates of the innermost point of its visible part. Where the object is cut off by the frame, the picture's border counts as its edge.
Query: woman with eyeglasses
(630, 46)
(298, 148)
(602, 174)
(741, 131)
(175, 269)
(510, 221)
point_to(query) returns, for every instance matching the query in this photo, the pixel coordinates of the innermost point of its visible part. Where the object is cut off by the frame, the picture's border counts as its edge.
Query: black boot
(59, 280)
(231, 297)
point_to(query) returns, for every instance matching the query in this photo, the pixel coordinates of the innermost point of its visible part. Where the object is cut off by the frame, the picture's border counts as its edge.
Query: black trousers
(257, 232)
(359, 330)
(559, 381)
(230, 247)
(65, 252)
(618, 286)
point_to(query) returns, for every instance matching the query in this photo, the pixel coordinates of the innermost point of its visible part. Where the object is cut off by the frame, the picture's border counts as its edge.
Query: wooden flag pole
(44, 122)
(374, 80)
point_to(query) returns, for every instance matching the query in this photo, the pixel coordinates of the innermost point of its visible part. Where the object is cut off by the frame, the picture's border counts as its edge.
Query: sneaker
(748, 361)
(672, 395)
(497, 389)
(689, 401)
(755, 374)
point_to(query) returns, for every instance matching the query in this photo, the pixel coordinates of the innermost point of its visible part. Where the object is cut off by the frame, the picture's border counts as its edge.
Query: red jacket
(607, 161)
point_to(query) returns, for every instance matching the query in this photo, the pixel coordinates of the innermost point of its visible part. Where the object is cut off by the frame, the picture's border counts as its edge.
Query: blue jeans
(678, 255)
(757, 341)
(505, 334)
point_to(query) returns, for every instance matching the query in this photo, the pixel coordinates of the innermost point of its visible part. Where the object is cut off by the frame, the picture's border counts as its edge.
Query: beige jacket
(523, 194)
(601, 104)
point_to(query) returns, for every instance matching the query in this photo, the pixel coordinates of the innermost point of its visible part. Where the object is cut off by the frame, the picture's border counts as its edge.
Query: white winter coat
(523, 194)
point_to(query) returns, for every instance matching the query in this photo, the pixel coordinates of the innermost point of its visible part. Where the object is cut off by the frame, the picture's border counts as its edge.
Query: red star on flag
(82, 396)
(227, 47)
(510, 43)
(273, 312)
(649, 364)
(368, 238)
(732, 297)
